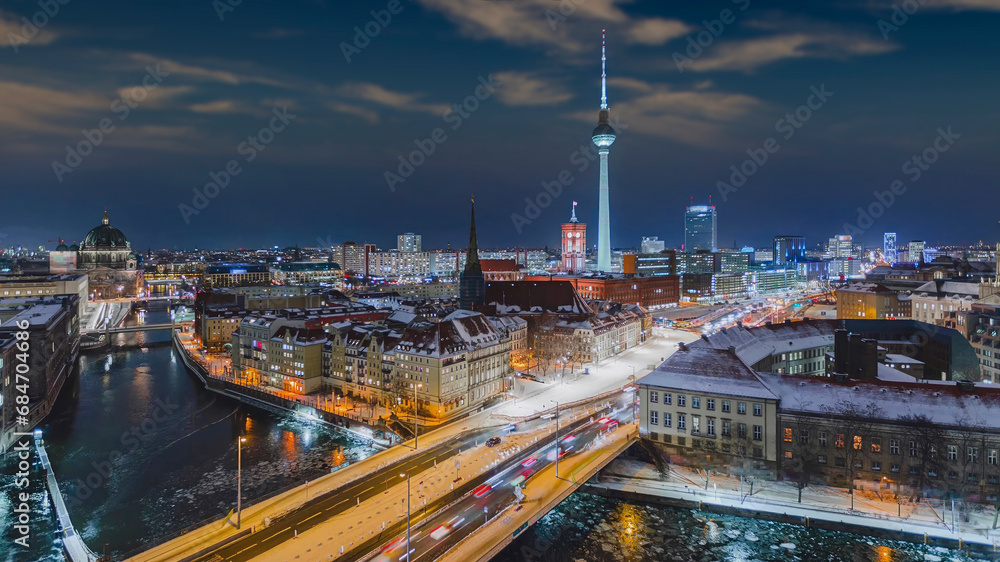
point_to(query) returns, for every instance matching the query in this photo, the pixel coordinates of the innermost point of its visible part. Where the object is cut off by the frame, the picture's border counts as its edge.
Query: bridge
(76, 550)
(354, 510)
(127, 329)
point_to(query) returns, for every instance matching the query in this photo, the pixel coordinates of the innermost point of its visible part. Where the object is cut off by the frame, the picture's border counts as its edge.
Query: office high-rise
(789, 249)
(889, 253)
(700, 228)
(408, 242)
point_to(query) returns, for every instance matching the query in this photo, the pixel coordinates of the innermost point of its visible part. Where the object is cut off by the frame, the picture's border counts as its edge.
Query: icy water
(587, 528)
(142, 451)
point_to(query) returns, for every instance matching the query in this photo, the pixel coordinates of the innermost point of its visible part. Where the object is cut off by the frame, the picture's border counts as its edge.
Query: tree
(925, 444)
(970, 441)
(801, 448)
(858, 423)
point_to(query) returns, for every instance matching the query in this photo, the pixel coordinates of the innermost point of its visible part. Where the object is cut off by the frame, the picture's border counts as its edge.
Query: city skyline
(703, 107)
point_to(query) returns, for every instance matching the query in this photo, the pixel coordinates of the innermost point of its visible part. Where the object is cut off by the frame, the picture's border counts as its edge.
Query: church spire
(472, 264)
(105, 221)
(472, 283)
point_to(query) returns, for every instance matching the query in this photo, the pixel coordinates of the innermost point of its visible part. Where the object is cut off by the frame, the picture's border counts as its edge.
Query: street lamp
(239, 479)
(633, 393)
(899, 504)
(416, 427)
(557, 438)
(407, 476)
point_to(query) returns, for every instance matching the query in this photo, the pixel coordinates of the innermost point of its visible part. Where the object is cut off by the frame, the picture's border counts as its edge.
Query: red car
(482, 491)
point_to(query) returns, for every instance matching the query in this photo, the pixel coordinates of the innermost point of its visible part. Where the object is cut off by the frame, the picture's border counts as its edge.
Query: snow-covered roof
(887, 373)
(755, 344)
(710, 371)
(944, 404)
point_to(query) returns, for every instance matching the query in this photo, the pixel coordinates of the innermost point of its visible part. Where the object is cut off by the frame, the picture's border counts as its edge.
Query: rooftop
(728, 375)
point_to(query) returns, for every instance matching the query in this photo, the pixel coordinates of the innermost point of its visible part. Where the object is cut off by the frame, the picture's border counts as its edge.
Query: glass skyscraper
(700, 228)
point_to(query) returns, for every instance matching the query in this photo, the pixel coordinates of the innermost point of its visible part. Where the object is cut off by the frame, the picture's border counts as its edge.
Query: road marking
(247, 548)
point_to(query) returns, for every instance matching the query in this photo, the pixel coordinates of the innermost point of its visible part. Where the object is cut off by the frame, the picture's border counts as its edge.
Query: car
(439, 532)
(482, 491)
(493, 441)
(529, 461)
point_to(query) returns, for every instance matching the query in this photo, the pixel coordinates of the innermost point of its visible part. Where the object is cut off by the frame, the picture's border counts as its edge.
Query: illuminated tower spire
(604, 73)
(604, 137)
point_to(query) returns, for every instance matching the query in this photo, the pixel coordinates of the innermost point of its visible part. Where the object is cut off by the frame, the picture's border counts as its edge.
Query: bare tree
(858, 424)
(924, 446)
(800, 445)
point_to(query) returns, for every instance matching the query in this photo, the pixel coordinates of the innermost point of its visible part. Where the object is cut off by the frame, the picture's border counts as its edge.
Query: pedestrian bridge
(128, 329)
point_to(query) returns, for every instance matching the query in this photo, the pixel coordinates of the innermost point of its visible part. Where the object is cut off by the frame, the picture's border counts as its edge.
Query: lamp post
(557, 438)
(899, 504)
(632, 398)
(239, 479)
(407, 476)
(416, 428)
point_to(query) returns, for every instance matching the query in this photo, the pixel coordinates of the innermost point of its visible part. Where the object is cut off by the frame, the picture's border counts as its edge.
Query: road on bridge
(447, 527)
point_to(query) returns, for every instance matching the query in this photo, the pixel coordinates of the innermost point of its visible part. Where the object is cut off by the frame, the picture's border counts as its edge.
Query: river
(142, 450)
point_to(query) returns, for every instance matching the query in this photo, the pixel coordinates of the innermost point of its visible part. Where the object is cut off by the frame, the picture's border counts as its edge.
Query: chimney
(732, 350)
(840, 351)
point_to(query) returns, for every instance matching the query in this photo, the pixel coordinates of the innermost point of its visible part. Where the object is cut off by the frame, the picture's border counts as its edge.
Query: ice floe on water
(598, 529)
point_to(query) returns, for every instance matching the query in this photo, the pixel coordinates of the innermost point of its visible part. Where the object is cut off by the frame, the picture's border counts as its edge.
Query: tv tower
(604, 137)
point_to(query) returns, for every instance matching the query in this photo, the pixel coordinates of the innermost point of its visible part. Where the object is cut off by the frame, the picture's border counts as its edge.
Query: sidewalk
(360, 523)
(818, 502)
(254, 515)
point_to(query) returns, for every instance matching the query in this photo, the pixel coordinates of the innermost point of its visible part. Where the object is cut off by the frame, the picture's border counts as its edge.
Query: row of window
(971, 453)
(741, 407)
(727, 425)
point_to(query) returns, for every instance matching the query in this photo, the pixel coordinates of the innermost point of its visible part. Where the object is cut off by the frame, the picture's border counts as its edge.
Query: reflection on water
(142, 450)
(596, 529)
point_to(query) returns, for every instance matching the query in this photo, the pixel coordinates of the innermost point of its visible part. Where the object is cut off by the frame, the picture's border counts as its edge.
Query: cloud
(750, 54)
(696, 117)
(656, 31)
(528, 22)
(278, 33)
(37, 109)
(526, 88)
(226, 106)
(355, 110)
(962, 5)
(203, 73)
(397, 100)
(12, 32)
(158, 97)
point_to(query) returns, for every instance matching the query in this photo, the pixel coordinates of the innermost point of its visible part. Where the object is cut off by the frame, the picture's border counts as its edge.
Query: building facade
(574, 245)
(700, 229)
(871, 300)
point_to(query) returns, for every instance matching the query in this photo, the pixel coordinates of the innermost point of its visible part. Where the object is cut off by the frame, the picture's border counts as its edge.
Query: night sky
(221, 72)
